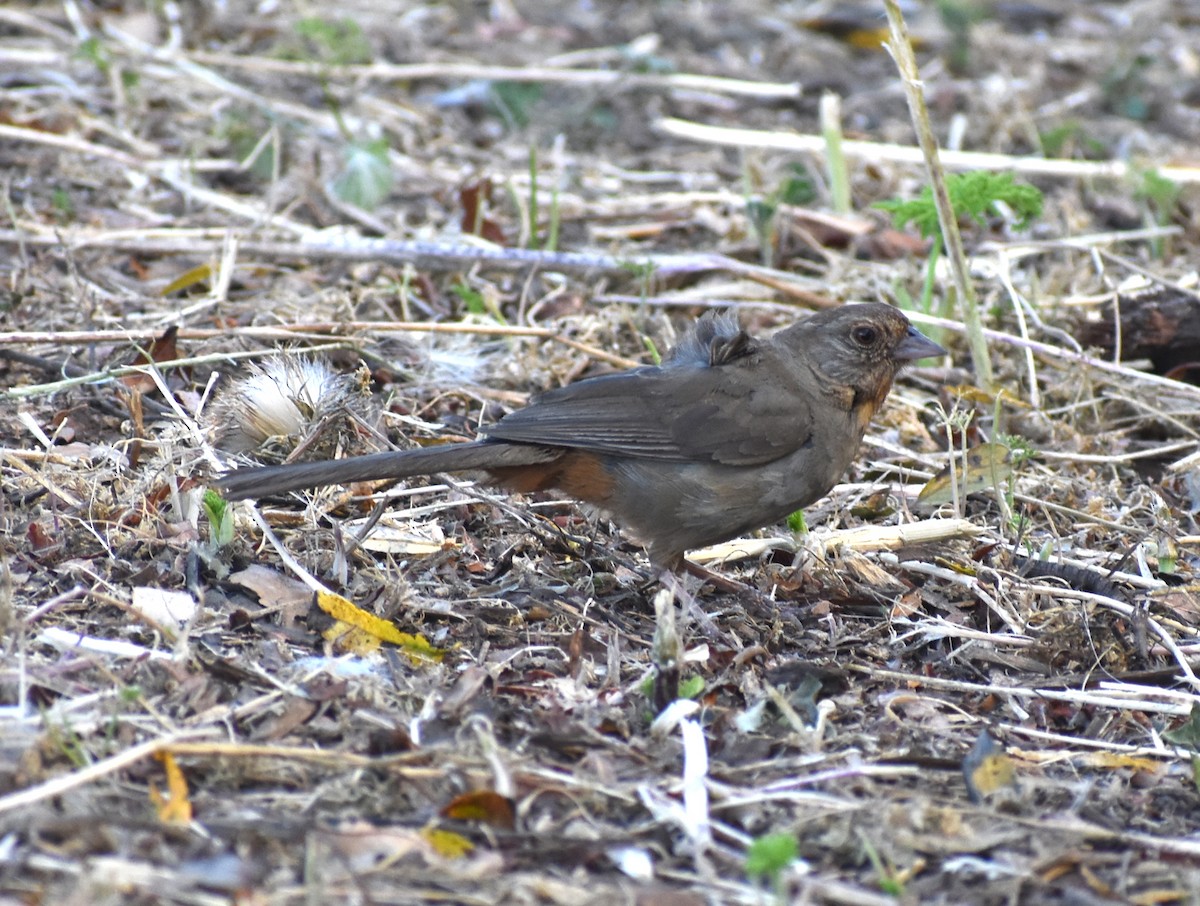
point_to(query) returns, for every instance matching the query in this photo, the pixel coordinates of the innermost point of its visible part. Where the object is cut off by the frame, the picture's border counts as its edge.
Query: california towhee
(729, 434)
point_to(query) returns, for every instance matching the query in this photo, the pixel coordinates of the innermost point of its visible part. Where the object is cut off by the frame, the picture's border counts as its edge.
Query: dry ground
(176, 165)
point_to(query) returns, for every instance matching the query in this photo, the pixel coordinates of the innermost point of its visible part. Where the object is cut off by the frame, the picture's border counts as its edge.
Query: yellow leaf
(985, 466)
(178, 808)
(188, 279)
(347, 639)
(1158, 897)
(973, 394)
(987, 768)
(362, 632)
(1117, 761)
(447, 844)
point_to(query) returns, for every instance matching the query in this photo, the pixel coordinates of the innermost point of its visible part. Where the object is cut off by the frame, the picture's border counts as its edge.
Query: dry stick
(901, 49)
(1018, 306)
(1018, 249)
(1111, 458)
(114, 373)
(1136, 268)
(91, 149)
(1128, 610)
(327, 331)
(57, 786)
(69, 499)
(435, 256)
(1128, 697)
(1069, 355)
(171, 171)
(906, 154)
(460, 71)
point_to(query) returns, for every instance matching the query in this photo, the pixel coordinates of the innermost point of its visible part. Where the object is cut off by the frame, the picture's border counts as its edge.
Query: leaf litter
(988, 696)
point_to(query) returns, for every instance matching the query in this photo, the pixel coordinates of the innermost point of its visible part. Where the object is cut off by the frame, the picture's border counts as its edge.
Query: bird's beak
(916, 346)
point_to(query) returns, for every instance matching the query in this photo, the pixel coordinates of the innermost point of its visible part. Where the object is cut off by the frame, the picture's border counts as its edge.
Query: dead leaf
(972, 394)
(447, 844)
(475, 198)
(986, 466)
(359, 632)
(163, 349)
(987, 768)
(177, 809)
(200, 274)
(486, 806)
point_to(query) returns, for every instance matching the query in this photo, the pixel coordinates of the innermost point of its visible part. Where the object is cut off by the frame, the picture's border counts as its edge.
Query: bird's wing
(685, 411)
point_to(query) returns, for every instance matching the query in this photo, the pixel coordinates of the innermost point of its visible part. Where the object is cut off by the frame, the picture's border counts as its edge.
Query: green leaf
(797, 524)
(366, 178)
(760, 213)
(244, 133)
(920, 211)
(798, 188)
(770, 854)
(471, 298)
(1187, 734)
(220, 518)
(972, 195)
(91, 50)
(514, 101)
(340, 42)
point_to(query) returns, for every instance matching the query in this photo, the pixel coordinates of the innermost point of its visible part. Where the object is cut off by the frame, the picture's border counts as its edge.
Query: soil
(424, 213)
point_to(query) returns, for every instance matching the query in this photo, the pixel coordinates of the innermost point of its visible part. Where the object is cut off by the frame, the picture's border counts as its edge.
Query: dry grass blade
(458, 206)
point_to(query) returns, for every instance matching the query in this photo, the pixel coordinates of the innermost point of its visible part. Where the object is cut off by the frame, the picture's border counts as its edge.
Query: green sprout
(471, 298)
(972, 195)
(768, 857)
(652, 349)
(550, 243)
(92, 51)
(513, 102)
(1161, 196)
(887, 878)
(691, 687)
(220, 519)
(795, 189)
(797, 524)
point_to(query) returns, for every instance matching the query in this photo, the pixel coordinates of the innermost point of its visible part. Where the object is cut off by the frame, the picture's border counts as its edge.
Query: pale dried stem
(878, 152)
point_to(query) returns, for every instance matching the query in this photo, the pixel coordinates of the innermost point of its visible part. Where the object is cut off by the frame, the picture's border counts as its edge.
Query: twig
(1069, 355)
(1128, 610)
(426, 255)
(902, 52)
(57, 786)
(323, 331)
(876, 152)
(414, 72)
(1130, 698)
(114, 373)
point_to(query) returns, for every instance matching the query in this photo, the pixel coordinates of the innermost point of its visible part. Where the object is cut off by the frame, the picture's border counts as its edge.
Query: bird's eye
(864, 335)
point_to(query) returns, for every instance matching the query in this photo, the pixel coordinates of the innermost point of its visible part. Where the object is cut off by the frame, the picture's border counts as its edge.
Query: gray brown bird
(728, 434)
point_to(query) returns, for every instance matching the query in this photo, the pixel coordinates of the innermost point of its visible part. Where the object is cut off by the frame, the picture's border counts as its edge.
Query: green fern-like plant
(972, 195)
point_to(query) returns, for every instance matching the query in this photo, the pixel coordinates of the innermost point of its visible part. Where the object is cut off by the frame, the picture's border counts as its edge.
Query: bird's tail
(263, 481)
